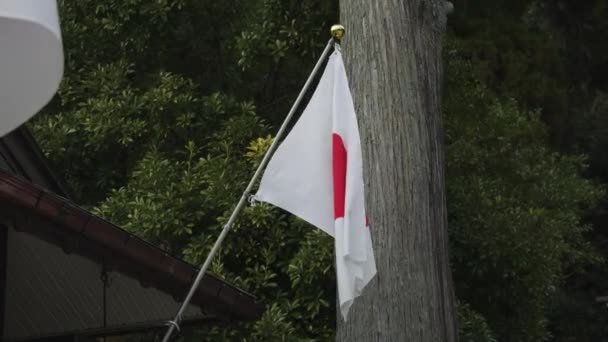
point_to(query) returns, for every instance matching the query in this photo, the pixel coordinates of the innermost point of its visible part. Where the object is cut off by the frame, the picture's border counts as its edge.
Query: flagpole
(337, 33)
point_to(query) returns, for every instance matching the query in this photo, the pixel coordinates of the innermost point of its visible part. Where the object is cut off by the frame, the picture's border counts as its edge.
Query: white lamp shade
(31, 59)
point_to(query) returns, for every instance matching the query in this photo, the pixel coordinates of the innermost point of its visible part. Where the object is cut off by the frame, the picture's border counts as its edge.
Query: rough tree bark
(392, 52)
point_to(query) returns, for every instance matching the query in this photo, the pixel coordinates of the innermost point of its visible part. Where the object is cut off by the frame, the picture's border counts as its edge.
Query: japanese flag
(317, 174)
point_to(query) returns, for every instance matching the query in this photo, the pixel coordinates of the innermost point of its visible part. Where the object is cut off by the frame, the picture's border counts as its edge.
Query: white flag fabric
(316, 173)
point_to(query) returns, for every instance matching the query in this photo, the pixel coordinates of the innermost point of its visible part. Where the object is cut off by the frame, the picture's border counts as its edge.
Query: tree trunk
(392, 52)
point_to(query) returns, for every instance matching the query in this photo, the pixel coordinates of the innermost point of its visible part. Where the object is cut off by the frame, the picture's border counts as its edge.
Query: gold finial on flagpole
(338, 31)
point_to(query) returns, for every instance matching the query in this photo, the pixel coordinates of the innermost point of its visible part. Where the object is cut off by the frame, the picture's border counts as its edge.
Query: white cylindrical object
(31, 59)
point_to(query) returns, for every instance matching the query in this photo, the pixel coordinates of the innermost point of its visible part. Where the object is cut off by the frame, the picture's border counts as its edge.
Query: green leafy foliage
(549, 56)
(472, 326)
(515, 207)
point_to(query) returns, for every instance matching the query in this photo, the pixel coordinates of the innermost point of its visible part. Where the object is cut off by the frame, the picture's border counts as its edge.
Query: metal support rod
(175, 323)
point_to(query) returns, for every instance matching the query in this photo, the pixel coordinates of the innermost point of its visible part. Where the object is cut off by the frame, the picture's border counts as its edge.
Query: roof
(20, 154)
(51, 293)
(78, 231)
